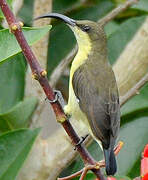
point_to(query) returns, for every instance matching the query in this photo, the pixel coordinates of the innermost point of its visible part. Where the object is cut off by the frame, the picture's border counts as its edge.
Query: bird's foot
(58, 97)
(82, 173)
(81, 141)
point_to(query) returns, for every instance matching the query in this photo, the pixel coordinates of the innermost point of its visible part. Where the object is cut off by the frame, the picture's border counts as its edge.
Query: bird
(93, 92)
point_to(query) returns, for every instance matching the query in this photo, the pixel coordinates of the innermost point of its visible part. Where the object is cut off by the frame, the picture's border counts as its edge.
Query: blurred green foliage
(14, 147)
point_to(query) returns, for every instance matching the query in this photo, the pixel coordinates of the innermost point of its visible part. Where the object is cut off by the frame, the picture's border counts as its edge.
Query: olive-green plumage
(93, 92)
(95, 86)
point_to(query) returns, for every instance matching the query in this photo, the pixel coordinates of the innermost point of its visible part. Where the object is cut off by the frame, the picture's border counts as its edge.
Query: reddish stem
(40, 76)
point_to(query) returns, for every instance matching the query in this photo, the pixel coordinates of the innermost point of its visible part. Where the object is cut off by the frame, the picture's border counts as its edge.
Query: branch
(16, 6)
(116, 11)
(67, 60)
(40, 75)
(134, 91)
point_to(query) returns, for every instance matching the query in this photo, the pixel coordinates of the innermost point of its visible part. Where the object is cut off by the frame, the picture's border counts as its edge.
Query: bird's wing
(99, 102)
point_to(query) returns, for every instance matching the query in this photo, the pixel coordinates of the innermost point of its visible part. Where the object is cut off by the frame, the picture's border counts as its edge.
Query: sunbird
(93, 92)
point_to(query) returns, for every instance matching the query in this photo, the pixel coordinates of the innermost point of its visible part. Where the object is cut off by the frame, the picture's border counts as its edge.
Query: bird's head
(85, 31)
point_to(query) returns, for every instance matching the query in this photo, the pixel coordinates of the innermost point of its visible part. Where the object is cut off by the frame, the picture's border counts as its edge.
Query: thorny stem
(40, 75)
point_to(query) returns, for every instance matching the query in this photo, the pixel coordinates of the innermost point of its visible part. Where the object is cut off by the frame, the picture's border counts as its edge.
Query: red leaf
(145, 177)
(145, 152)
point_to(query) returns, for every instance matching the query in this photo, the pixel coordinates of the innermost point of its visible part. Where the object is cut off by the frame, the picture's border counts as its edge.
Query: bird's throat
(84, 49)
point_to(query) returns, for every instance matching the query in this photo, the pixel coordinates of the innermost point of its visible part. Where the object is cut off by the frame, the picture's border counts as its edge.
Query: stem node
(16, 26)
(43, 73)
(35, 76)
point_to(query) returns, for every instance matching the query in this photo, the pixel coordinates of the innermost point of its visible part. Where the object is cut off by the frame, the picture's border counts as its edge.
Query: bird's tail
(110, 161)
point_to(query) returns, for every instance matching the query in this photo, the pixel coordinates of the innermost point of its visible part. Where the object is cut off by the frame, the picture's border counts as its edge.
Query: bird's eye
(86, 28)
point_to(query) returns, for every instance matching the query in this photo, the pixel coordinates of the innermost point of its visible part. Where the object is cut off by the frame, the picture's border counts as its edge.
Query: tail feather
(110, 161)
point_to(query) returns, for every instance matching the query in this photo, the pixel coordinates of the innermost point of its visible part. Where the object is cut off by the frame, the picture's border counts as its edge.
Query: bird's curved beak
(64, 18)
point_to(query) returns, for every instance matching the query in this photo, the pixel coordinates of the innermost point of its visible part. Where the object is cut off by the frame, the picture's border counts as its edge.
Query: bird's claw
(58, 97)
(81, 141)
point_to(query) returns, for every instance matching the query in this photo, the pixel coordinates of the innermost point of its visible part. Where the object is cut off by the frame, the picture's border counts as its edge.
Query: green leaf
(134, 135)
(59, 34)
(14, 148)
(26, 12)
(63, 5)
(62, 39)
(111, 27)
(142, 5)
(9, 46)
(93, 11)
(120, 38)
(18, 116)
(137, 103)
(12, 73)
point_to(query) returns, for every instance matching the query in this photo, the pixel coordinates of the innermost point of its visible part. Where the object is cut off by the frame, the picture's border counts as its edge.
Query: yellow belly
(73, 109)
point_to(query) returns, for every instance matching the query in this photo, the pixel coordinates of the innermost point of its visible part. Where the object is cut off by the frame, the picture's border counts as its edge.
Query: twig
(84, 173)
(40, 75)
(99, 164)
(134, 91)
(116, 11)
(66, 61)
(72, 176)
